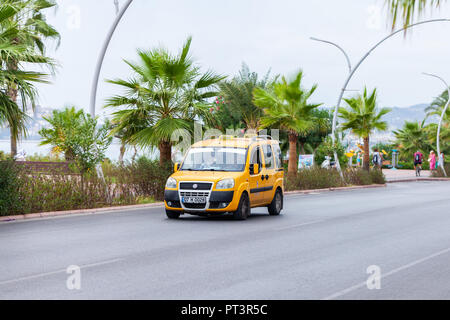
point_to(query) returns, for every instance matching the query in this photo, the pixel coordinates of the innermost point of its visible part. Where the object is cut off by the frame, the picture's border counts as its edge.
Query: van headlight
(225, 184)
(171, 183)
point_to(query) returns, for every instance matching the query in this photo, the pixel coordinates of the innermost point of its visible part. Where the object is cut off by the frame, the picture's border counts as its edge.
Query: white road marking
(384, 275)
(40, 275)
(299, 225)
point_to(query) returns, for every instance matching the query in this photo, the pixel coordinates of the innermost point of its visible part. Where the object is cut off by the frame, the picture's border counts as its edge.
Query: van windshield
(215, 159)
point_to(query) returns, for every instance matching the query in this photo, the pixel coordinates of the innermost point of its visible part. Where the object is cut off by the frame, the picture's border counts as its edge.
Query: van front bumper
(218, 201)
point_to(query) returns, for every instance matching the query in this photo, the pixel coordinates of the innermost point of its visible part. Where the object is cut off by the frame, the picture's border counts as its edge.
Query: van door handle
(267, 177)
(262, 177)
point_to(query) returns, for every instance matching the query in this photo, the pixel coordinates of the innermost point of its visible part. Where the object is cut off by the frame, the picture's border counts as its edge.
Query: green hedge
(320, 178)
(10, 201)
(22, 193)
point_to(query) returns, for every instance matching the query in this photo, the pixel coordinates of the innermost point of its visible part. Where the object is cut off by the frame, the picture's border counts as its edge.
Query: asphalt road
(319, 248)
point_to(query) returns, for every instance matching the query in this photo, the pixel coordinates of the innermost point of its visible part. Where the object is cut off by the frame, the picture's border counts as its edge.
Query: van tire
(172, 214)
(243, 210)
(277, 203)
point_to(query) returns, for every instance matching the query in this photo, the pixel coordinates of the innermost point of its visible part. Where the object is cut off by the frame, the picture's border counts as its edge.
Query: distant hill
(398, 116)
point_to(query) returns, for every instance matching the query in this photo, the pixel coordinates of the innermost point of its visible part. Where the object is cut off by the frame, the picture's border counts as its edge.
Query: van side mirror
(254, 168)
(176, 167)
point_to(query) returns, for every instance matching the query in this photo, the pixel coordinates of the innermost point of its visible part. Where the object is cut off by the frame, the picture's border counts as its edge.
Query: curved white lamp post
(102, 55)
(353, 70)
(441, 164)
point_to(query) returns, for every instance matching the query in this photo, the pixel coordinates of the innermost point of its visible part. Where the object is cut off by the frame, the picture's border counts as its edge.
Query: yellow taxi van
(227, 175)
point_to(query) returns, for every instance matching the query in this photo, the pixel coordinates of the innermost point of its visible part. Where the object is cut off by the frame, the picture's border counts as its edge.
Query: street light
(103, 52)
(353, 70)
(116, 4)
(99, 68)
(333, 134)
(441, 163)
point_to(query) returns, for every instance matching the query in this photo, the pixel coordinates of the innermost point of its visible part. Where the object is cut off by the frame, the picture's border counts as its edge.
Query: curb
(370, 186)
(418, 180)
(80, 211)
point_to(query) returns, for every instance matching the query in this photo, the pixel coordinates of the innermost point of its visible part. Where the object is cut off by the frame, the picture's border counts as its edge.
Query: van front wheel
(277, 204)
(172, 214)
(243, 210)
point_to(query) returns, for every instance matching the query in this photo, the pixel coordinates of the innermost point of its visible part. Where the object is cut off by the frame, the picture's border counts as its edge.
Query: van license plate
(194, 199)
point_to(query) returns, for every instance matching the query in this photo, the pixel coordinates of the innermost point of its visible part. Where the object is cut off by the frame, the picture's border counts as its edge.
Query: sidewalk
(405, 175)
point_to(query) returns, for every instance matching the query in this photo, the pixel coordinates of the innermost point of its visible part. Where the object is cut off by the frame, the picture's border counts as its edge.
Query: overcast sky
(264, 34)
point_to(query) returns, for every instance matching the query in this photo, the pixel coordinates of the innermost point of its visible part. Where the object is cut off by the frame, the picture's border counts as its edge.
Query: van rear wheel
(243, 210)
(277, 204)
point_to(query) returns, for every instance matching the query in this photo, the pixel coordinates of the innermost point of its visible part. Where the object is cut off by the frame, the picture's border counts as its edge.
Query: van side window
(256, 157)
(278, 156)
(268, 156)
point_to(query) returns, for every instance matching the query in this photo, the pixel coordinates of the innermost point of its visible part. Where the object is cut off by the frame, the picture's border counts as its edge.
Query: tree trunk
(122, 153)
(12, 94)
(302, 148)
(366, 160)
(293, 162)
(13, 144)
(134, 154)
(165, 152)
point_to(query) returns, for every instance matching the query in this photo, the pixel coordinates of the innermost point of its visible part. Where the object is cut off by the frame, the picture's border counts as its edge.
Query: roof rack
(266, 137)
(226, 137)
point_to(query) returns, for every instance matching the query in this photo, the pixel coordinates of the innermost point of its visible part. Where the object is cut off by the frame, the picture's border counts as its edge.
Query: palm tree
(309, 141)
(168, 92)
(408, 10)
(285, 105)
(238, 97)
(412, 137)
(29, 29)
(437, 106)
(435, 110)
(10, 113)
(363, 117)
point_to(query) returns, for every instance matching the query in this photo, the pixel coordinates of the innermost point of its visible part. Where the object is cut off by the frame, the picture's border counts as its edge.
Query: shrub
(146, 177)
(10, 203)
(40, 193)
(360, 177)
(22, 192)
(44, 158)
(357, 176)
(314, 178)
(319, 178)
(3, 156)
(377, 177)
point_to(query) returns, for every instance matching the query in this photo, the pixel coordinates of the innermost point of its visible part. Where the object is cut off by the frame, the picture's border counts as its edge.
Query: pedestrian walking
(441, 160)
(432, 160)
(377, 159)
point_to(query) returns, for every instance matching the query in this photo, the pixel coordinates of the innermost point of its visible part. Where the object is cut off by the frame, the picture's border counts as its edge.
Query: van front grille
(200, 185)
(194, 194)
